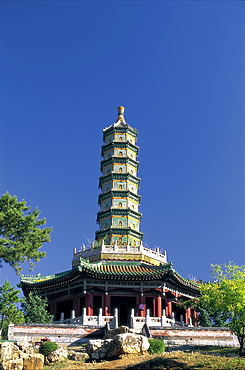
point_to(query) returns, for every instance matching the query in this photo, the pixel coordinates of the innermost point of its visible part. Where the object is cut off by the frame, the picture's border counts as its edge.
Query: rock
(97, 349)
(113, 332)
(127, 343)
(20, 357)
(92, 345)
(16, 364)
(25, 347)
(9, 351)
(60, 354)
(122, 329)
(77, 356)
(33, 361)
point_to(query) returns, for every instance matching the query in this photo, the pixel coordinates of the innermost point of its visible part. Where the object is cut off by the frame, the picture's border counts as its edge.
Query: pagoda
(119, 217)
(117, 280)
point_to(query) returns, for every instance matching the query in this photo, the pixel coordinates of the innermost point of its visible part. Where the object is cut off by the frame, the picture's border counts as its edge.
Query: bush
(47, 347)
(156, 346)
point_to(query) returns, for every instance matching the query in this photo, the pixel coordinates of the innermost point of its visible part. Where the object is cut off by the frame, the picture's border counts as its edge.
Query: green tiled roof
(111, 270)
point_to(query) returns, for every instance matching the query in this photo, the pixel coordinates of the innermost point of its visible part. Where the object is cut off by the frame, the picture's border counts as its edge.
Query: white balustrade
(116, 248)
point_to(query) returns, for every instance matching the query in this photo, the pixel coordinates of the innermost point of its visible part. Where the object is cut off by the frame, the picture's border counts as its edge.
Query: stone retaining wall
(195, 336)
(59, 333)
(77, 334)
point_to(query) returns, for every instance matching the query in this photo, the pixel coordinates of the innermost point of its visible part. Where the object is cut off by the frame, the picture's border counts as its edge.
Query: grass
(201, 358)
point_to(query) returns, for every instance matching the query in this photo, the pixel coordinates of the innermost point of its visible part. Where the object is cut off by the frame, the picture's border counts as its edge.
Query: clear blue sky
(178, 68)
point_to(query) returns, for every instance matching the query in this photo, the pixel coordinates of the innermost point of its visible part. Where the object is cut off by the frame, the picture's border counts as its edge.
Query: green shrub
(47, 347)
(156, 346)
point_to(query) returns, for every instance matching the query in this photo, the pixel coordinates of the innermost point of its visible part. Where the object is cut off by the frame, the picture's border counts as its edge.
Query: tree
(20, 234)
(35, 309)
(8, 310)
(225, 297)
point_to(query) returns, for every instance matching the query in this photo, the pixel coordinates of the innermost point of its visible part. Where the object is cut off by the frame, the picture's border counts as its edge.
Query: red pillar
(169, 309)
(142, 313)
(52, 308)
(76, 306)
(195, 314)
(187, 315)
(106, 310)
(158, 307)
(154, 307)
(89, 304)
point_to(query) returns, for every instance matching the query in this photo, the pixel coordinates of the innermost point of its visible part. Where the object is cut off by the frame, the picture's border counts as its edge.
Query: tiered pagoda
(117, 279)
(119, 217)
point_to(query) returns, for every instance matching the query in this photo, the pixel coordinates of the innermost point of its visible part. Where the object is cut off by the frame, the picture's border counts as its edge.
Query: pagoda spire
(120, 117)
(119, 217)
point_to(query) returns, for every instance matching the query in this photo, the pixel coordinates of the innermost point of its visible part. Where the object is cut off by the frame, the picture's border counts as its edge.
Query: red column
(169, 309)
(159, 307)
(76, 306)
(142, 313)
(106, 305)
(52, 308)
(195, 314)
(154, 307)
(187, 315)
(55, 311)
(89, 304)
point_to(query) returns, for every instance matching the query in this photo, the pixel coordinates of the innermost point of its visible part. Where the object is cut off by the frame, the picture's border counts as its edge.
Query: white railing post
(100, 317)
(62, 317)
(84, 316)
(141, 247)
(132, 318)
(116, 317)
(190, 321)
(147, 319)
(181, 320)
(73, 315)
(163, 323)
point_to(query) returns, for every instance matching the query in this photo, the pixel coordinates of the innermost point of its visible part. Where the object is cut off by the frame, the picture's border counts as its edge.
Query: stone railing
(136, 322)
(99, 320)
(121, 249)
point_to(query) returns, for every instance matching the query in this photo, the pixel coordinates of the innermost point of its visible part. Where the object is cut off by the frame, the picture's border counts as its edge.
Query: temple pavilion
(117, 279)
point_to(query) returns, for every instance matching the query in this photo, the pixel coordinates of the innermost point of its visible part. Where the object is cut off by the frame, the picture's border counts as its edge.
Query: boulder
(127, 343)
(121, 330)
(32, 361)
(9, 351)
(97, 349)
(16, 364)
(20, 357)
(113, 332)
(77, 356)
(60, 354)
(25, 346)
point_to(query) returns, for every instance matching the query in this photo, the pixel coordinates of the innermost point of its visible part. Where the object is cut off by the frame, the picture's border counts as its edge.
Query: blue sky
(178, 68)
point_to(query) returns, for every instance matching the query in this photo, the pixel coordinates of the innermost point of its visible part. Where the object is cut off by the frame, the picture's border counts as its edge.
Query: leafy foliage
(8, 310)
(20, 235)
(225, 297)
(35, 309)
(47, 347)
(156, 346)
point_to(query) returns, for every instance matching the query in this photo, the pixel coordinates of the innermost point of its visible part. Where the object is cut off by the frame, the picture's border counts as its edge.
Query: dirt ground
(167, 361)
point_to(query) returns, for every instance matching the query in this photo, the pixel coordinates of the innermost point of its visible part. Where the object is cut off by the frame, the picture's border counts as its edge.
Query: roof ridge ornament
(120, 121)
(120, 117)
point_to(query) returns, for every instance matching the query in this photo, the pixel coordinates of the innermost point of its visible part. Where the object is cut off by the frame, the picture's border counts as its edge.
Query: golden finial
(120, 111)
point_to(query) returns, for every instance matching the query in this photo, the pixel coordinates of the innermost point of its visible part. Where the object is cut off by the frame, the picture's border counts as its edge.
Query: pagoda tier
(119, 217)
